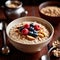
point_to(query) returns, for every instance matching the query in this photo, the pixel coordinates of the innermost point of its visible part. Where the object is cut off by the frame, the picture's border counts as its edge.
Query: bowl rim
(51, 35)
(48, 5)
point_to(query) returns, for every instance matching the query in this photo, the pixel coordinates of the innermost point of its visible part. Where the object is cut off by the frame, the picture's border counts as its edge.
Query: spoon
(47, 57)
(1, 26)
(5, 48)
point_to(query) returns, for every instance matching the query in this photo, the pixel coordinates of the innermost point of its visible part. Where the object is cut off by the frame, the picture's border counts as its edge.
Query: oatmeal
(51, 11)
(29, 33)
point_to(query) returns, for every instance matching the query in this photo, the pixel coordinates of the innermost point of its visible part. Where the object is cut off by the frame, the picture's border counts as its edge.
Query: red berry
(25, 31)
(36, 27)
(26, 26)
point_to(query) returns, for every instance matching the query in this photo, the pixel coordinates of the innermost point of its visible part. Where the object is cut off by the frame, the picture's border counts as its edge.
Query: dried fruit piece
(21, 28)
(30, 37)
(16, 30)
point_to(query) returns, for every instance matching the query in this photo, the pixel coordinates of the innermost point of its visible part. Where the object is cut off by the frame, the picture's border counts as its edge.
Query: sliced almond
(30, 37)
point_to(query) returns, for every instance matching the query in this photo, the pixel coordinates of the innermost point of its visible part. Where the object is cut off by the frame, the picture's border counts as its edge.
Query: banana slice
(41, 35)
(30, 37)
(41, 32)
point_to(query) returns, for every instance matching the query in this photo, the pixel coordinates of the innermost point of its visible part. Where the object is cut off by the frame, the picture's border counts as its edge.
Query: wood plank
(29, 9)
(2, 16)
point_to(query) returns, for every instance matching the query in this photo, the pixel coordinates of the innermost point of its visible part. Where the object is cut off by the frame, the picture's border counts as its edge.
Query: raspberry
(36, 27)
(26, 26)
(25, 31)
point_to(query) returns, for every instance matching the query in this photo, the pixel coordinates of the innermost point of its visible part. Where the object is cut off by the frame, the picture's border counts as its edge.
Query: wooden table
(18, 55)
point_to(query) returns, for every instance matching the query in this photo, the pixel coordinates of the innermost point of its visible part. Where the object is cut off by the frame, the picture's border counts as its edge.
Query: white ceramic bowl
(30, 48)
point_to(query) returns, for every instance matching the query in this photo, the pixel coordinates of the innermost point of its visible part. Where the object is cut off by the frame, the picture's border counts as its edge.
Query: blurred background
(28, 2)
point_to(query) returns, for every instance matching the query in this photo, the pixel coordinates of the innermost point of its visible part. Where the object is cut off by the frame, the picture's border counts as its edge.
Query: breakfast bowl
(29, 43)
(50, 10)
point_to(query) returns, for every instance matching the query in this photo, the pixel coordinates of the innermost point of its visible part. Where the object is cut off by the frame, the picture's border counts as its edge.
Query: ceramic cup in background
(14, 10)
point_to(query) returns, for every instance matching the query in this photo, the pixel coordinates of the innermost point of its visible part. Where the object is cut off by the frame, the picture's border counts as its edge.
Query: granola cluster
(56, 51)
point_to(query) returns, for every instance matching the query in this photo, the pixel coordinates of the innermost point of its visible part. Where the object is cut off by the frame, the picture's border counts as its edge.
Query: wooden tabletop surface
(18, 55)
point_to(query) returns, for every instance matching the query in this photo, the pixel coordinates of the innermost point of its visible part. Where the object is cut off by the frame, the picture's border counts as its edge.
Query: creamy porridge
(51, 11)
(29, 33)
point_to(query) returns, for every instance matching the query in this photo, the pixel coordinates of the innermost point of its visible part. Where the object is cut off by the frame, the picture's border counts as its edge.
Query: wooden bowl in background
(55, 20)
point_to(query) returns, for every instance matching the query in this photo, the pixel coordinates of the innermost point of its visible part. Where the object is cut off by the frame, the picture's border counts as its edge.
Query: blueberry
(30, 33)
(32, 25)
(35, 35)
(34, 31)
(21, 28)
(31, 28)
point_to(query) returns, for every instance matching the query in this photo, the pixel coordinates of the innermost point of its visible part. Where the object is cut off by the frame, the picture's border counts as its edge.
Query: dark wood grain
(18, 55)
(2, 16)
